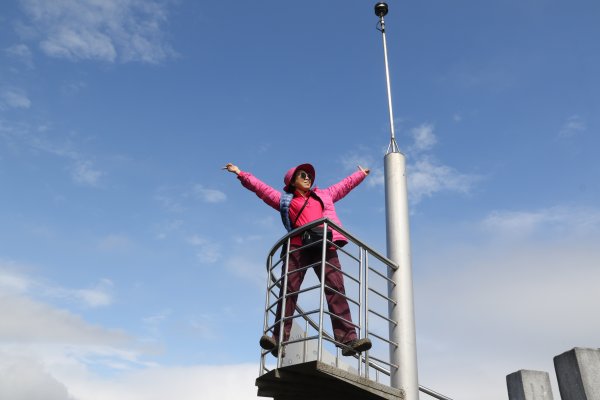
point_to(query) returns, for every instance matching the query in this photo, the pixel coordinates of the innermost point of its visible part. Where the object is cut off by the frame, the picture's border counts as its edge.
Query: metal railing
(367, 279)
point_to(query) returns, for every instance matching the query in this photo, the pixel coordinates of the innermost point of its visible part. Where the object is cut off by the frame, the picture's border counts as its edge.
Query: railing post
(267, 302)
(322, 293)
(365, 269)
(285, 271)
(304, 347)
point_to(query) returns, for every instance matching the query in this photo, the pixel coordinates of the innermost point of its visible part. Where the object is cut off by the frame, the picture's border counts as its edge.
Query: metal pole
(398, 250)
(381, 9)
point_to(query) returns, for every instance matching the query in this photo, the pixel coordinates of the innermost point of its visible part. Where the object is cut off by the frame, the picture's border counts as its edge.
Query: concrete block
(529, 385)
(578, 374)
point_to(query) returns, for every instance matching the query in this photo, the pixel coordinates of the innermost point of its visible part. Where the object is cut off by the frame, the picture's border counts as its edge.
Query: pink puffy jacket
(328, 196)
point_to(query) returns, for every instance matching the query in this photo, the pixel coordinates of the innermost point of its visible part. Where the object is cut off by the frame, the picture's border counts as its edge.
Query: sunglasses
(303, 175)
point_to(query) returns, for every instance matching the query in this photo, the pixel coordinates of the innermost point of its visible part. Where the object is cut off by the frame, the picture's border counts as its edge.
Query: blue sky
(129, 260)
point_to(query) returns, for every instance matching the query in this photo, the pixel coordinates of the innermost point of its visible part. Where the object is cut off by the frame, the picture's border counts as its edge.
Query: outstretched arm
(265, 192)
(342, 188)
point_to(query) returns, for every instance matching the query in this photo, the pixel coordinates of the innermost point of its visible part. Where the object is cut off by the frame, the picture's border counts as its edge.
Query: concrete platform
(315, 380)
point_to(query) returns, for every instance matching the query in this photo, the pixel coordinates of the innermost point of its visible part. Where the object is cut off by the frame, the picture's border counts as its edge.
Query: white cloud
(72, 43)
(506, 305)
(226, 382)
(364, 157)
(513, 222)
(27, 320)
(54, 337)
(204, 327)
(24, 378)
(22, 53)
(572, 126)
(246, 240)
(95, 297)
(241, 266)
(376, 177)
(168, 200)
(98, 296)
(82, 168)
(42, 139)
(361, 156)
(423, 137)
(530, 304)
(74, 87)
(209, 195)
(110, 30)
(426, 177)
(554, 220)
(14, 98)
(13, 282)
(29, 378)
(165, 229)
(154, 322)
(177, 199)
(51, 353)
(84, 172)
(208, 251)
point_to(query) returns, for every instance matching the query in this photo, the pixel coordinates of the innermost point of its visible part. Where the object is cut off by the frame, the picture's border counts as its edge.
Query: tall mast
(404, 356)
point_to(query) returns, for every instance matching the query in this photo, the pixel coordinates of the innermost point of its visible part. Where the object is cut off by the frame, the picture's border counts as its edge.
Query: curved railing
(372, 273)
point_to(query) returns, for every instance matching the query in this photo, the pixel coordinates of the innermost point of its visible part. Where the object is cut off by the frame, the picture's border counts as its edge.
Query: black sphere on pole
(381, 9)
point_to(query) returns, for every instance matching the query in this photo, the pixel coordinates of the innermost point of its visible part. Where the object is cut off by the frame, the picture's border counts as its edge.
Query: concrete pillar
(578, 374)
(529, 385)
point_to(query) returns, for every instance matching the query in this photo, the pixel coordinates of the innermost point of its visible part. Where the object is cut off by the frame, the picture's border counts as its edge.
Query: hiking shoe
(356, 346)
(275, 350)
(267, 342)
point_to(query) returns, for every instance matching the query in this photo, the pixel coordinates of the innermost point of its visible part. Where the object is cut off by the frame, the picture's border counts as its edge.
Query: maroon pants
(337, 304)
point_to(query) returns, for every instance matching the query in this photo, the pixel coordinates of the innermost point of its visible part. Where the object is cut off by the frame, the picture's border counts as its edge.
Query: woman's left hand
(365, 170)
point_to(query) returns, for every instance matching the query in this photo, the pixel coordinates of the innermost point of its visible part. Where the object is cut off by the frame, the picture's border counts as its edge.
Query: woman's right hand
(232, 168)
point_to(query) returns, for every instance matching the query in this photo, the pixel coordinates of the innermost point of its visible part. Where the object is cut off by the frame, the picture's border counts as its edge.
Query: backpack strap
(302, 209)
(284, 210)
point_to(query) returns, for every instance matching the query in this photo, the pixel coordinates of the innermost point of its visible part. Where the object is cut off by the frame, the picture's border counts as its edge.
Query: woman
(298, 205)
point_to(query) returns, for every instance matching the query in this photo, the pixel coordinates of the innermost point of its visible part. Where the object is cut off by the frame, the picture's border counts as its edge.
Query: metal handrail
(433, 393)
(337, 228)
